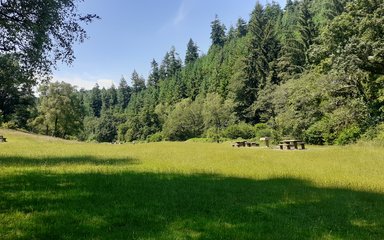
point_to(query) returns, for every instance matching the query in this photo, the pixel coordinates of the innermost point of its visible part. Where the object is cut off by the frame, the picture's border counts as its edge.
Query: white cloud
(106, 83)
(86, 81)
(181, 13)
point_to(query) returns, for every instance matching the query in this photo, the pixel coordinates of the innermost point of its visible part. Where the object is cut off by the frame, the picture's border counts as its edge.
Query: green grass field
(56, 189)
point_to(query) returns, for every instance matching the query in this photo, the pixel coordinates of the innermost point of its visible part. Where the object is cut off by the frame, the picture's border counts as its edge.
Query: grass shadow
(70, 160)
(173, 206)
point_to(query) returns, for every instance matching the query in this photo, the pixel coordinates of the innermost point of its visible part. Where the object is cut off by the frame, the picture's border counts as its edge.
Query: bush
(10, 125)
(348, 135)
(314, 134)
(157, 137)
(240, 130)
(263, 130)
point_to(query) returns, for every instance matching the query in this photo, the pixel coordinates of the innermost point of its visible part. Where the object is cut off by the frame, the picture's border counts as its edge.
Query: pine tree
(241, 28)
(138, 82)
(263, 49)
(192, 52)
(154, 76)
(175, 62)
(306, 28)
(123, 94)
(218, 32)
(96, 101)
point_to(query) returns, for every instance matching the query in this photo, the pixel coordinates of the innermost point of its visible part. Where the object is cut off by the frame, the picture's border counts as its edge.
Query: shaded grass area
(19, 161)
(129, 205)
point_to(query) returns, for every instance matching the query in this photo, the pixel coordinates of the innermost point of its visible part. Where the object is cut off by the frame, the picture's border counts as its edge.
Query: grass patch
(55, 189)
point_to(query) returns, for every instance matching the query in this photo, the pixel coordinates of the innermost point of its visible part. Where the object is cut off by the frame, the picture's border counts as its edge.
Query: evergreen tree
(232, 34)
(138, 82)
(175, 62)
(306, 28)
(123, 94)
(241, 28)
(192, 52)
(217, 32)
(164, 67)
(154, 76)
(96, 101)
(170, 65)
(113, 96)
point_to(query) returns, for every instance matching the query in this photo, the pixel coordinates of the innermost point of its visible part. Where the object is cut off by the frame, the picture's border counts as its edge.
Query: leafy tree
(217, 113)
(41, 32)
(184, 122)
(16, 96)
(60, 112)
(192, 52)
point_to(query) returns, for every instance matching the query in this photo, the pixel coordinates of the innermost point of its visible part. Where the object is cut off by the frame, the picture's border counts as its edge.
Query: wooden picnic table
(2, 139)
(245, 144)
(291, 143)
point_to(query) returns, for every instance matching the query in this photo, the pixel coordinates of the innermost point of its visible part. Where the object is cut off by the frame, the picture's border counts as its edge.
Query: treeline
(313, 70)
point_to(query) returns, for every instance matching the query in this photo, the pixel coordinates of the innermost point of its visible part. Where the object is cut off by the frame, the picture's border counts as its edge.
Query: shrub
(9, 125)
(157, 137)
(263, 130)
(240, 130)
(348, 135)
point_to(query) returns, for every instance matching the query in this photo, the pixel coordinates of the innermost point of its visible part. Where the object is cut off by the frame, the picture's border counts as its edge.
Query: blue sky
(133, 32)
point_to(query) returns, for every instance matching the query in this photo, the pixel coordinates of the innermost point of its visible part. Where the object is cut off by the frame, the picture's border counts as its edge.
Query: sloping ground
(20, 136)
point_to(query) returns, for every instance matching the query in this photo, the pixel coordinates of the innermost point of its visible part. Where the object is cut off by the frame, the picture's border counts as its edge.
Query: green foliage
(41, 36)
(217, 32)
(184, 121)
(60, 112)
(192, 53)
(348, 135)
(240, 130)
(138, 82)
(17, 101)
(157, 137)
(217, 113)
(247, 131)
(312, 71)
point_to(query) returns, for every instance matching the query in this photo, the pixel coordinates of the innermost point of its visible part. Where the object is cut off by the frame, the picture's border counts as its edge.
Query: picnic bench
(245, 144)
(2, 139)
(292, 144)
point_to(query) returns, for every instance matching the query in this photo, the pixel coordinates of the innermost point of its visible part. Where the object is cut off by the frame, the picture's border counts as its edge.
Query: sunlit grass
(57, 189)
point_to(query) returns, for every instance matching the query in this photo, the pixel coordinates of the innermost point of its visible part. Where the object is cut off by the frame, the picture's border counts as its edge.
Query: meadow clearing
(58, 189)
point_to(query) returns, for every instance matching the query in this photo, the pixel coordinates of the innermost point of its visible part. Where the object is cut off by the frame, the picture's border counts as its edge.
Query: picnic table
(245, 144)
(291, 144)
(2, 139)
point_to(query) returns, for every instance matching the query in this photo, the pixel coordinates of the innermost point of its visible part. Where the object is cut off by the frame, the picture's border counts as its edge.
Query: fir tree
(192, 52)
(218, 32)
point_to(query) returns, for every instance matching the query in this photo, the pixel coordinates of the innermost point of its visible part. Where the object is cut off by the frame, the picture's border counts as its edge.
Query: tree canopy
(39, 33)
(313, 70)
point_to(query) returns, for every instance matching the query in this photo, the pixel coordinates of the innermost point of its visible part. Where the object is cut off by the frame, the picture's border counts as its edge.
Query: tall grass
(57, 189)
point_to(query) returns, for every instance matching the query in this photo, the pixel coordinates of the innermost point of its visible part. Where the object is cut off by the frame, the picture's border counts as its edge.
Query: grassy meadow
(57, 189)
